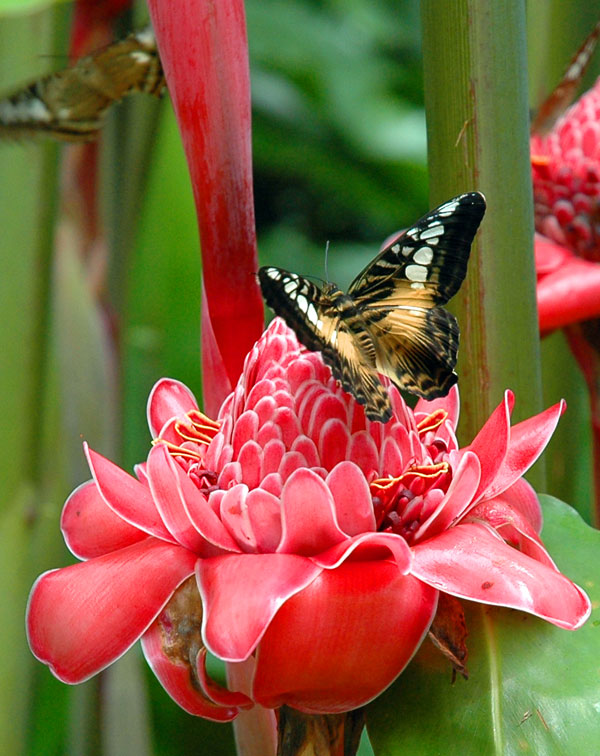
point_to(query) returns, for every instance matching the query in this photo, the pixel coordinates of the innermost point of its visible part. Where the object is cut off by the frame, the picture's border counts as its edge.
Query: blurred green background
(339, 155)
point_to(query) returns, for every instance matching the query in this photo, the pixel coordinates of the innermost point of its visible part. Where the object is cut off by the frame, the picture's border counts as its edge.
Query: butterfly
(70, 105)
(390, 321)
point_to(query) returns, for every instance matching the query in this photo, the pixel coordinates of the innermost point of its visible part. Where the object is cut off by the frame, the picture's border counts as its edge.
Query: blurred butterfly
(70, 105)
(390, 321)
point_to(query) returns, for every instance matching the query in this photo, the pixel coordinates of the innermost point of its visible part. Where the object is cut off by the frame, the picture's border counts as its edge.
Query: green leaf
(26, 6)
(532, 687)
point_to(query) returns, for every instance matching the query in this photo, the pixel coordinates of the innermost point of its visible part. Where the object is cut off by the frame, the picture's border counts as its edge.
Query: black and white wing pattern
(390, 322)
(323, 323)
(70, 105)
(399, 296)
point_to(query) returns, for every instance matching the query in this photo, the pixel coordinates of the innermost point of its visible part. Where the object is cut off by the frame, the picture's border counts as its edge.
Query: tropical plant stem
(475, 74)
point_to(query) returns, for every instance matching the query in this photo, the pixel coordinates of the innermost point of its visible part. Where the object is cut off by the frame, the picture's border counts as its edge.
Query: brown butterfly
(390, 321)
(70, 105)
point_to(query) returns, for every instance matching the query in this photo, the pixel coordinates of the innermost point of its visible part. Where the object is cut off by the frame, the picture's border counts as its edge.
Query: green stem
(477, 126)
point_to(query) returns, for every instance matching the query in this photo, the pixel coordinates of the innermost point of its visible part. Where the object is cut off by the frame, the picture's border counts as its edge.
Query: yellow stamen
(433, 421)
(177, 451)
(419, 471)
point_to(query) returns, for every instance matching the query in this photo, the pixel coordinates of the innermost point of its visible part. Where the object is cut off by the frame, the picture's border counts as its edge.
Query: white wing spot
(434, 230)
(141, 57)
(395, 248)
(333, 338)
(448, 209)
(302, 303)
(406, 251)
(313, 315)
(417, 285)
(290, 286)
(423, 256)
(416, 273)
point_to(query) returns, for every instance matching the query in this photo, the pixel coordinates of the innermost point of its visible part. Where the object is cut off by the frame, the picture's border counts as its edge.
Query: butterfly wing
(417, 349)
(399, 295)
(321, 326)
(70, 105)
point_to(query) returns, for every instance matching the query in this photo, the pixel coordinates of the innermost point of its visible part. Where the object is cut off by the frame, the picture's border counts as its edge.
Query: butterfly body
(389, 322)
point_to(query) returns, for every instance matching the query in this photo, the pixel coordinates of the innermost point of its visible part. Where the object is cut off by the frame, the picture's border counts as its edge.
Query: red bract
(204, 52)
(296, 536)
(568, 287)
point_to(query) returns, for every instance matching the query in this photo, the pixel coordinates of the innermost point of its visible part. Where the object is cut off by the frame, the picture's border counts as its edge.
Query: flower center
(399, 503)
(192, 435)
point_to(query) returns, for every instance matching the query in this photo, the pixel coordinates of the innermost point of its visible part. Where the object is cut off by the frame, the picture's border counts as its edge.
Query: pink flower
(566, 188)
(304, 540)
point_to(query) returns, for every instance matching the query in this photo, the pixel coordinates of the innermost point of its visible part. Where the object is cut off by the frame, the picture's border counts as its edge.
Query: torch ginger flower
(305, 540)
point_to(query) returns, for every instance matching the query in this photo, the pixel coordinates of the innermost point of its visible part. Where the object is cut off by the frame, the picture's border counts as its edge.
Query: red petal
(308, 515)
(126, 496)
(470, 562)
(175, 679)
(549, 256)
(352, 497)
(368, 547)
(522, 497)
(569, 295)
(82, 618)
(449, 403)
(241, 593)
(342, 640)
(459, 497)
(512, 527)
(491, 443)
(183, 507)
(90, 528)
(168, 399)
(528, 440)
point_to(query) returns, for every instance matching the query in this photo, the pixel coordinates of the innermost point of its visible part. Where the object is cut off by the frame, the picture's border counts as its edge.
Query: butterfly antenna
(326, 255)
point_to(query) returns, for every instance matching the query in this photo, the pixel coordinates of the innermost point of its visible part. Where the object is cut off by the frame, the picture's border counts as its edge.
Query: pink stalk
(204, 51)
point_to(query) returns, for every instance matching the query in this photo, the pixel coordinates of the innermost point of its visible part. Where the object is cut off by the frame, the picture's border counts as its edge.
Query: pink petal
(264, 514)
(168, 486)
(234, 515)
(470, 562)
(522, 497)
(175, 679)
(90, 528)
(363, 452)
(187, 509)
(449, 403)
(512, 527)
(307, 448)
(126, 496)
(168, 399)
(352, 497)
(240, 595)
(491, 443)
(333, 442)
(528, 440)
(338, 643)
(368, 547)
(459, 497)
(82, 618)
(250, 459)
(308, 515)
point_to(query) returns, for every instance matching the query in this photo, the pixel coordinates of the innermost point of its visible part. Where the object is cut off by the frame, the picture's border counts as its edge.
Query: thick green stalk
(477, 127)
